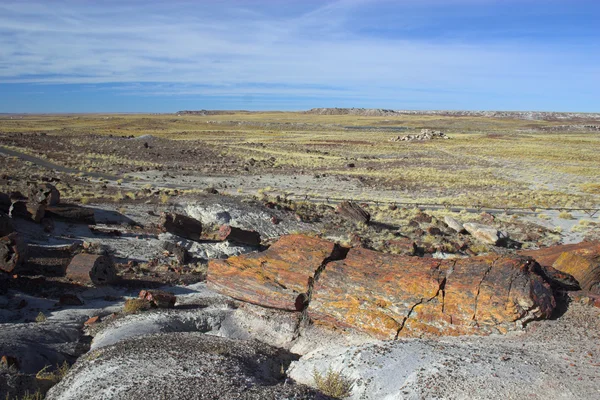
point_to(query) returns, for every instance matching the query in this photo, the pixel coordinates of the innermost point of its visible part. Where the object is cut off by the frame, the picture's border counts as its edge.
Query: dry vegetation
(489, 162)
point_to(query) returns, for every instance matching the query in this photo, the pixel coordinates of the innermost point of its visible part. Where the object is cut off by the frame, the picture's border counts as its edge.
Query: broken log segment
(72, 213)
(91, 269)
(353, 212)
(277, 277)
(181, 225)
(238, 235)
(13, 252)
(389, 296)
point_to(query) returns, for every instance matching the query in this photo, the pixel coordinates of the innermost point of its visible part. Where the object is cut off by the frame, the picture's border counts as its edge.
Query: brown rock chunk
(276, 277)
(353, 212)
(238, 235)
(91, 269)
(548, 255)
(404, 246)
(181, 225)
(13, 252)
(388, 296)
(158, 298)
(9, 361)
(72, 213)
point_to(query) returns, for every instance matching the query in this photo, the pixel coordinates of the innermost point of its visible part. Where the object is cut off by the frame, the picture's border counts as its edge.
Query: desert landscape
(328, 253)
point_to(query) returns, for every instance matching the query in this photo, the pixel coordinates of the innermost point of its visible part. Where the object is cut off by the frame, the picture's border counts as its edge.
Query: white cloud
(199, 48)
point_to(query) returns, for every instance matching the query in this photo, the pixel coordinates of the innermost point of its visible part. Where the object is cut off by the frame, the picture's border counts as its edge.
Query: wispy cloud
(265, 48)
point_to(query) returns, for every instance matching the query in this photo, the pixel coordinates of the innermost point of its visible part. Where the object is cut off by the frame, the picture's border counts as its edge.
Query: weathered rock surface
(389, 296)
(91, 269)
(353, 212)
(454, 224)
(182, 366)
(277, 277)
(581, 261)
(238, 235)
(72, 213)
(181, 225)
(484, 233)
(13, 252)
(158, 298)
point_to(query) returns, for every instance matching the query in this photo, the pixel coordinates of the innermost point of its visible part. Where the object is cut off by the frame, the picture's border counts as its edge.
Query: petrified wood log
(72, 213)
(389, 296)
(238, 235)
(13, 252)
(181, 225)
(276, 278)
(353, 212)
(581, 260)
(91, 269)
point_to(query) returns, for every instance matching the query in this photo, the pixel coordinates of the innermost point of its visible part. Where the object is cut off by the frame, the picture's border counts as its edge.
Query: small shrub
(333, 383)
(40, 317)
(54, 376)
(133, 306)
(565, 215)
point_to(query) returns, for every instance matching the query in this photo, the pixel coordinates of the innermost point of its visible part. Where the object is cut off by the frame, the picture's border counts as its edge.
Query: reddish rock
(158, 298)
(13, 252)
(92, 320)
(276, 277)
(581, 260)
(181, 225)
(388, 296)
(353, 212)
(238, 235)
(422, 217)
(91, 269)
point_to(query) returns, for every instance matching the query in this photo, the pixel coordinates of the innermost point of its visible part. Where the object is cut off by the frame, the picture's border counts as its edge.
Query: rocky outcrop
(389, 296)
(426, 134)
(278, 277)
(384, 295)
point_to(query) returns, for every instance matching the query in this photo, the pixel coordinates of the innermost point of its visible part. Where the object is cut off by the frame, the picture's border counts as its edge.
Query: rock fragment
(13, 252)
(158, 298)
(181, 225)
(485, 233)
(238, 235)
(353, 212)
(454, 224)
(91, 269)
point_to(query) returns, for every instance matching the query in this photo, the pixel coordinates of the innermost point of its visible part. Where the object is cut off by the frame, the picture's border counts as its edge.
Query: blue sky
(164, 56)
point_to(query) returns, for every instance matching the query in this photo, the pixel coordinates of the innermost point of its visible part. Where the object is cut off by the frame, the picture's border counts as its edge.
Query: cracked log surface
(392, 296)
(384, 295)
(276, 278)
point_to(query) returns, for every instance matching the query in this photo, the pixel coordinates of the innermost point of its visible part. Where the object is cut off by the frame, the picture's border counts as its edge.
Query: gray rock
(188, 365)
(454, 224)
(484, 233)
